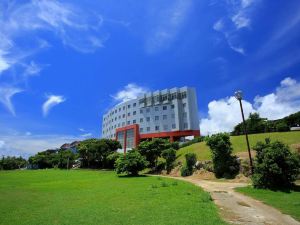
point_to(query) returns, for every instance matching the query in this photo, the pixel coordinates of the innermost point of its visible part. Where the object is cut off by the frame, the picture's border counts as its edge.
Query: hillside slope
(239, 144)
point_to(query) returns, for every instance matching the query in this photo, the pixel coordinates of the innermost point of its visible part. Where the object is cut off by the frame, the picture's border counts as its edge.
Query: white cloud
(6, 94)
(171, 19)
(32, 69)
(81, 129)
(130, 91)
(224, 114)
(86, 135)
(24, 145)
(52, 100)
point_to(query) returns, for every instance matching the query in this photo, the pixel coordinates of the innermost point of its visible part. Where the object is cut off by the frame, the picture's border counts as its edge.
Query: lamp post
(239, 96)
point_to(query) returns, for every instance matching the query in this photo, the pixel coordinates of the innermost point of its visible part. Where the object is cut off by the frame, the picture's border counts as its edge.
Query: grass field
(100, 197)
(239, 143)
(288, 203)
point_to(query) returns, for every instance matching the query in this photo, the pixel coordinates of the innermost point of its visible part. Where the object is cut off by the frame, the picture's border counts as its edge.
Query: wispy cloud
(86, 135)
(6, 95)
(238, 17)
(130, 91)
(52, 100)
(170, 22)
(224, 114)
(74, 27)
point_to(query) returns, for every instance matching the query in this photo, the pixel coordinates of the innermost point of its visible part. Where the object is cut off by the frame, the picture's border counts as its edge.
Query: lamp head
(238, 95)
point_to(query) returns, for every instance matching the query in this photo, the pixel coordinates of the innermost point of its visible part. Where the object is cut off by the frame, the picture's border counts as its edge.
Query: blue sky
(64, 63)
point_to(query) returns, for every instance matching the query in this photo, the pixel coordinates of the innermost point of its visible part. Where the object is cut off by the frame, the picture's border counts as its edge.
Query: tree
(152, 150)
(170, 156)
(282, 126)
(111, 160)
(94, 152)
(225, 165)
(131, 164)
(12, 163)
(254, 124)
(275, 165)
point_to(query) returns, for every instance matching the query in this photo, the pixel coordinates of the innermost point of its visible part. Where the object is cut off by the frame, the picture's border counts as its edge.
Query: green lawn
(288, 203)
(100, 197)
(239, 143)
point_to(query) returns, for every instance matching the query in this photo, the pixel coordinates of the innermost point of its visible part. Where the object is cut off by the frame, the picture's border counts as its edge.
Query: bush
(111, 160)
(131, 164)
(275, 165)
(282, 126)
(225, 165)
(185, 171)
(190, 162)
(170, 156)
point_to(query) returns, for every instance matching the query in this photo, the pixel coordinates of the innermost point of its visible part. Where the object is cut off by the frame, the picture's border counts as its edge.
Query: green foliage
(185, 171)
(195, 140)
(170, 156)
(153, 149)
(275, 165)
(188, 168)
(254, 124)
(94, 152)
(12, 163)
(282, 126)
(63, 159)
(111, 160)
(131, 163)
(225, 165)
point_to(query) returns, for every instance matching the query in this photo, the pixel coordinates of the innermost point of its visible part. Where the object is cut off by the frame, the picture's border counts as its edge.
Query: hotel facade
(169, 113)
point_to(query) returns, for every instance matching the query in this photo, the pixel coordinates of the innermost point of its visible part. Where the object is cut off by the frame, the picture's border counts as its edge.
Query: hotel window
(185, 125)
(173, 116)
(148, 128)
(134, 121)
(119, 109)
(128, 114)
(141, 120)
(148, 119)
(115, 118)
(172, 106)
(165, 107)
(184, 115)
(128, 122)
(128, 106)
(123, 115)
(184, 105)
(156, 118)
(164, 117)
(119, 124)
(165, 127)
(134, 104)
(123, 107)
(119, 116)
(134, 113)
(156, 128)
(115, 126)
(148, 110)
(173, 126)
(123, 124)
(141, 111)
(156, 108)
(116, 111)
(141, 129)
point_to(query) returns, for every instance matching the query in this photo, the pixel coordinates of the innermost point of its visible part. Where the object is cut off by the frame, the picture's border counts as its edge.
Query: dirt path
(237, 208)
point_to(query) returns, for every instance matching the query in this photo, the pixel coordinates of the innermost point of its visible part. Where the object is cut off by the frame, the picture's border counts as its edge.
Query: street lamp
(239, 96)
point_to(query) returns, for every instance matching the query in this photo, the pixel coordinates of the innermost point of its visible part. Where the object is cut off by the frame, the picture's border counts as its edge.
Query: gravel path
(237, 208)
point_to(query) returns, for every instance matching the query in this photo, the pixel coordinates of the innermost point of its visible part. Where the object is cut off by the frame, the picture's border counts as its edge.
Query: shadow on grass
(294, 188)
(132, 176)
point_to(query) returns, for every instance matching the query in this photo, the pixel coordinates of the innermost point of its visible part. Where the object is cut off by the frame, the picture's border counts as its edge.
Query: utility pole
(239, 96)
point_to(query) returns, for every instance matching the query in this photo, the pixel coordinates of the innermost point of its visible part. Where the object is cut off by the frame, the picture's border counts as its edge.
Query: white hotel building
(169, 113)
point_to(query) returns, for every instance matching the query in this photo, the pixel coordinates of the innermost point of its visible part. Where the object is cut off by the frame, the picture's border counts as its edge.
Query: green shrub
(185, 171)
(131, 164)
(111, 160)
(282, 126)
(170, 156)
(191, 159)
(275, 165)
(225, 165)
